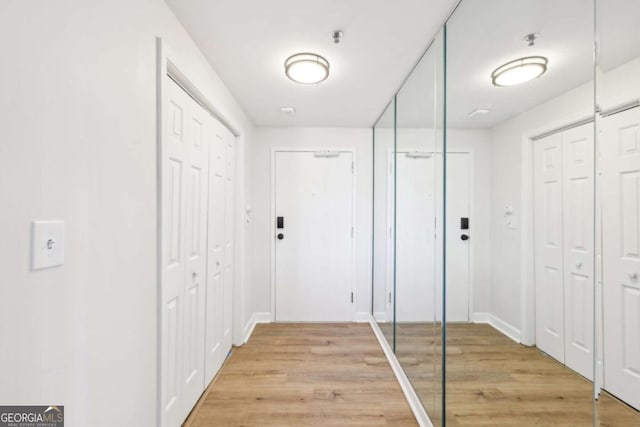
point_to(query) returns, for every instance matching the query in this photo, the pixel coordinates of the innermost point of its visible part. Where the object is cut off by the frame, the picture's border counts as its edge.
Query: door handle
(633, 276)
(464, 237)
(280, 236)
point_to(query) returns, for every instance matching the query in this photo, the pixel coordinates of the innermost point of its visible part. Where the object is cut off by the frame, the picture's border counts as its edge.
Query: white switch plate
(47, 244)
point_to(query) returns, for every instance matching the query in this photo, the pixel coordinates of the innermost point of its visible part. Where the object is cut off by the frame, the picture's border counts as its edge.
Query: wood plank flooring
(305, 375)
(336, 375)
(493, 381)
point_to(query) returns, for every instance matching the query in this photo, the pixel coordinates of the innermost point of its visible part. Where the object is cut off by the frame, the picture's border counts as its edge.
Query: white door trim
(272, 221)
(169, 66)
(527, 229)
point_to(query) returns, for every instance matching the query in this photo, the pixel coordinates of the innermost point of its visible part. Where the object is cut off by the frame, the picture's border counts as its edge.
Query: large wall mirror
(507, 216)
(520, 106)
(618, 213)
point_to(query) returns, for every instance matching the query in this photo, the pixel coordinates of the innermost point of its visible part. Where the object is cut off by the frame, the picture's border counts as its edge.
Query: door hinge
(351, 297)
(353, 167)
(353, 232)
(389, 297)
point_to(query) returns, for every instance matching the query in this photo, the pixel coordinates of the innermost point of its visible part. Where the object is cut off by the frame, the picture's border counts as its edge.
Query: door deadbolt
(280, 236)
(464, 237)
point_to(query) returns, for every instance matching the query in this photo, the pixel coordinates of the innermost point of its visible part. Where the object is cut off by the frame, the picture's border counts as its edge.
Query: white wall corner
(504, 327)
(258, 317)
(380, 316)
(479, 317)
(362, 317)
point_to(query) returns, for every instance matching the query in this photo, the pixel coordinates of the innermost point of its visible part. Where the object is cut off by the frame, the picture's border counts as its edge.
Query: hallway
(305, 374)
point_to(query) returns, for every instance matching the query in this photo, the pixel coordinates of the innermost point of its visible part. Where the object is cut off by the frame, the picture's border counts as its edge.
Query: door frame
(389, 238)
(314, 149)
(527, 331)
(168, 66)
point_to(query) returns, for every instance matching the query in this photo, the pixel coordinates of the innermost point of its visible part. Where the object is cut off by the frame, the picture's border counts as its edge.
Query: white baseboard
(380, 316)
(409, 393)
(257, 317)
(480, 317)
(497, 323)
(362, 317)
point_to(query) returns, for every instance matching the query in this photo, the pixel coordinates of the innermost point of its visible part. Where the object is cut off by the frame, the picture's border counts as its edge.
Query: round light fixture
(306, 68)
(519, 71)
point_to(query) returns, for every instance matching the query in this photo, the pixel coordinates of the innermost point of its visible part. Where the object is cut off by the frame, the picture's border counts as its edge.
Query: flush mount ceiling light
(519, 71)
(306, 68)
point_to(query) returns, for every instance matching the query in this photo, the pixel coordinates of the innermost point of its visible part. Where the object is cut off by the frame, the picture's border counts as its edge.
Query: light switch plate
(47, 244)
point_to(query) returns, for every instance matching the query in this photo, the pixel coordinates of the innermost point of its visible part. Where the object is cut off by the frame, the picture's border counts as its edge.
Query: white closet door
(620, 147)
(548, 246)
(214, 356)
(229, 236)
(578, 231)
(198, 129)
(184, 231)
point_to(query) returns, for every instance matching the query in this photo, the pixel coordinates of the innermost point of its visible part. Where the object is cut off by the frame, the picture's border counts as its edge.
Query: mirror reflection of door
(418, 185)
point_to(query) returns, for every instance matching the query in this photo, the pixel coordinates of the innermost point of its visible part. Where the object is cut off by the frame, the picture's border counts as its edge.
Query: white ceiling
(247, 42)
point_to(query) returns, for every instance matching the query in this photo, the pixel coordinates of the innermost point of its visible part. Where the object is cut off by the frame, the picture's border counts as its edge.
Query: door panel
(415, 237)
(185, 199)
(196, 235)
(313, 261)
(229, 247)
(418, 260)
(620, 147)
(214, 356)
(458, 206)
(549, 246)
(578, 231)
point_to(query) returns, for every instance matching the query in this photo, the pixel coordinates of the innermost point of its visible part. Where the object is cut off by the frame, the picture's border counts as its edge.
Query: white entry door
(314, 244)
(548, 246)
(458, 237)
(418, 185)
(415, 246)
(184, 245)
(564, 246)
(620, 147)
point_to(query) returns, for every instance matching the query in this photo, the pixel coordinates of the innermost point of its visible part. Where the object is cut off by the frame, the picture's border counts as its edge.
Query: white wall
(475, 142)
(268, 138)
(78, 112)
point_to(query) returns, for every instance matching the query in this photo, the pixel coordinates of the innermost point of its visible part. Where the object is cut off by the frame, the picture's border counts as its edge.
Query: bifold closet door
(620, 148)
(564, 246)
(215, 353)
(229, 247)
(548, 246)
(578, 247)
(184, 246)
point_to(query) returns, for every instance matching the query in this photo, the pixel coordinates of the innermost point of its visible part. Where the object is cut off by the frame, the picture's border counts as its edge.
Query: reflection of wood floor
(493, 381)
(305, 375)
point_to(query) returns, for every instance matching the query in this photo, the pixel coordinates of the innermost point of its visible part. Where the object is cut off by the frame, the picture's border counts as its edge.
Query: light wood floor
(303, 375)
(493, 381)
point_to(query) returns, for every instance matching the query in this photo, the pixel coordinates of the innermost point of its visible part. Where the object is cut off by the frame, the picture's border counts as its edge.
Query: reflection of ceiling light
(288, 110)
(519, 71)
(478, 111)
(306, 68)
